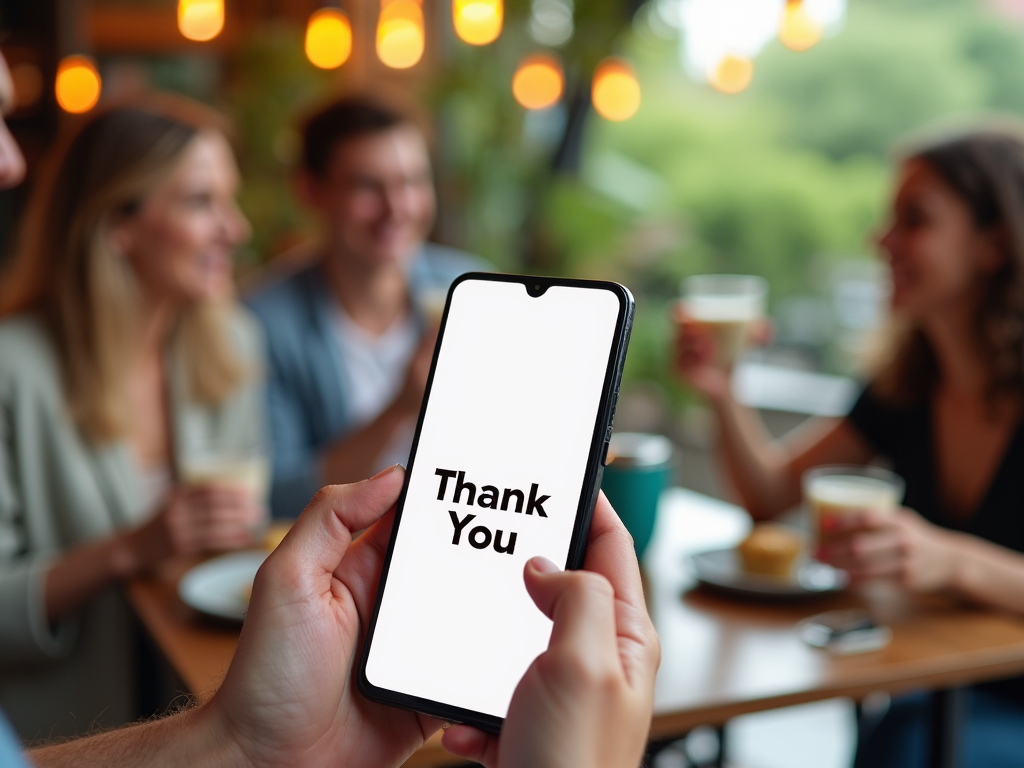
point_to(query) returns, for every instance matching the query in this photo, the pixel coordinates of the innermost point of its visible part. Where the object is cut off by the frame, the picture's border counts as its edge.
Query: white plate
(721, 569)
(219, 586)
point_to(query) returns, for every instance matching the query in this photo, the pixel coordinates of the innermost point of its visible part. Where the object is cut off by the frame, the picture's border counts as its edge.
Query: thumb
(580, 603)
(334, 513)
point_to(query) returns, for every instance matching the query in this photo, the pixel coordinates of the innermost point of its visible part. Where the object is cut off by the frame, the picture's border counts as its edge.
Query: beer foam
(852, 491)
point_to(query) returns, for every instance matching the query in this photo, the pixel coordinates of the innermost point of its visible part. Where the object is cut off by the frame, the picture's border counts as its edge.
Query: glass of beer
(726, 306)
(836, 491)
(248, 471)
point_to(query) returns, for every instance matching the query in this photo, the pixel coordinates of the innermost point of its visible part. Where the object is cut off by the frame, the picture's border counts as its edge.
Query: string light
(538, 81)
(615, 92)
(200, 20)
(328, 38)
(478, 22)
(400, 35)
(28, 84)
(78, 84)
(799, 30)
(732, 74)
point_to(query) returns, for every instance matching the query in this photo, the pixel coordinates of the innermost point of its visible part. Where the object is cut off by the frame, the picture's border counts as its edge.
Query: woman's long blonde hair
(67, 269)
(985, 168)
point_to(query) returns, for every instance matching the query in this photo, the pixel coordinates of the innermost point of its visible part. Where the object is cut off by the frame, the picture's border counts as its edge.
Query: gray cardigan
(56, 491)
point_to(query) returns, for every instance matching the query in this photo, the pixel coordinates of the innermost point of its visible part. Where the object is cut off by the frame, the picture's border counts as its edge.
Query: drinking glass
(835, 491)
(726, 306)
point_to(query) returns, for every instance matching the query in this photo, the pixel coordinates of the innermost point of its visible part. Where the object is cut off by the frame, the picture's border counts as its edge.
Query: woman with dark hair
(123, 358)
(944, 406)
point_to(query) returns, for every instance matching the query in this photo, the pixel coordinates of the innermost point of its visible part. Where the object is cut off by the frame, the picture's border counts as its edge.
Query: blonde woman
(945, 407)
(122, 356)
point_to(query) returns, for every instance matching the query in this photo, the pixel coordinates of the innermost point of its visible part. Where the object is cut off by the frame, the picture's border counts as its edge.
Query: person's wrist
(720, 398)
(124, 557)
(213, 742)
(959, 571)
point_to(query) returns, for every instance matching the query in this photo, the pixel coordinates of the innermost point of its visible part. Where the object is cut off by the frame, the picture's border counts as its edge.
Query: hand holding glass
(836, 491)
(725, 307)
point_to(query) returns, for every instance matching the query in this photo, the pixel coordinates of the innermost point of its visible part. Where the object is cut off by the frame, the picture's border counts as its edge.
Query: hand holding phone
(586, 700)
(505, 466)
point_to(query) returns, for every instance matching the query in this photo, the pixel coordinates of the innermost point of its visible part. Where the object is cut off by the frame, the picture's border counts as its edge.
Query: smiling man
(350, 336)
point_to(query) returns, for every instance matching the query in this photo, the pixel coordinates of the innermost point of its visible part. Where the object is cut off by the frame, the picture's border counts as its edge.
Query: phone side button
(607, 442)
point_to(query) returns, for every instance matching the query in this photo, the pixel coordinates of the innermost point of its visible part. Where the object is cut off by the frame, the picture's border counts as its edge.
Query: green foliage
(273, 85)
(782, 180)
(891, 70)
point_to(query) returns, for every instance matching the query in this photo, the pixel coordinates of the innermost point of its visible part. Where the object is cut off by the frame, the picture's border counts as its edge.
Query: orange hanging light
(538, 82)
(799, 30)
(78, 84)
(328, 38)
(615, 91)
(400, 33)
(732, 74)
(478, 22)
(200, 20)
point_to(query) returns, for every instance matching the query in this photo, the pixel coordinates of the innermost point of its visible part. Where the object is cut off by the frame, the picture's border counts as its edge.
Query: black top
(905, 436)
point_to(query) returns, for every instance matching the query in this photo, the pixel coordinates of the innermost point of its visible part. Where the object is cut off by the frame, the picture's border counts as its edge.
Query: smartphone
(506, 464)
(845, 632)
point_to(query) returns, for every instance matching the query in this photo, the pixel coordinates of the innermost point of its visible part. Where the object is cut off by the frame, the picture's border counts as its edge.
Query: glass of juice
(835, 491)
(726, 306)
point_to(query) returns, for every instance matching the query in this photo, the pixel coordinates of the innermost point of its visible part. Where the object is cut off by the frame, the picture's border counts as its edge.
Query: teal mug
(638, 470)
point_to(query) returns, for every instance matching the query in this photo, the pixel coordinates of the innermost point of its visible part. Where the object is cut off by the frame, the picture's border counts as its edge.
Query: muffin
(770, 550)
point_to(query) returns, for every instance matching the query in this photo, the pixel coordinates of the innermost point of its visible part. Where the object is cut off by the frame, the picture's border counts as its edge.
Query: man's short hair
(342, 120)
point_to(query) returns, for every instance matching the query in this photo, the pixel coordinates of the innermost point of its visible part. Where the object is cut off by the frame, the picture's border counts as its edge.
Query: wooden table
(721, 657)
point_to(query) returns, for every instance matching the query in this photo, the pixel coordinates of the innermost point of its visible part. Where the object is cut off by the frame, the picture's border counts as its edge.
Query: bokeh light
(732, 75)
(538, 81)
(551, 21)
(200, 20)
(400, 35)
(615, 91)
(78, 84)
(478, 22)
(328, 38)
(799, 30)
(28, 84)
(714, 29)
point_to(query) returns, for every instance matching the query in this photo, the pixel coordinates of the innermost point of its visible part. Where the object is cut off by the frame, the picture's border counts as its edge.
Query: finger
(221, 514)
(224, 539)
(323, 531)
(471, 744)
(610, 553)
(860, 520)
(881, 570)
(361, 568)
(763, 332)
(582, 607)
(218, 493)
(863, 549)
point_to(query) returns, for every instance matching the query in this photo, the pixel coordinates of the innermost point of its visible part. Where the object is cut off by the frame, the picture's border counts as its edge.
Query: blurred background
(636, 141)
(739, 136)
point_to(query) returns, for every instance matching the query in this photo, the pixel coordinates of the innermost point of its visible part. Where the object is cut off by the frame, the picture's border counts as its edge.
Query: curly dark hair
(985, 168)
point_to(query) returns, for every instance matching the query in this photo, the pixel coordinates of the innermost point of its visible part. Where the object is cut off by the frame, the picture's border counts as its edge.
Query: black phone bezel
(535, 286)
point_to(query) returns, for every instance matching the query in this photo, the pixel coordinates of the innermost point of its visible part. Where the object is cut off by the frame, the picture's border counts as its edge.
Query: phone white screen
(505, 438)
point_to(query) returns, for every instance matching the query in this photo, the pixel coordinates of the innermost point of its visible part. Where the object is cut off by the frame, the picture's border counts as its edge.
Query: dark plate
(721, 569)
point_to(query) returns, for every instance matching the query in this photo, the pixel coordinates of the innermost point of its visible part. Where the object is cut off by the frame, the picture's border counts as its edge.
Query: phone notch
(536, 287)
